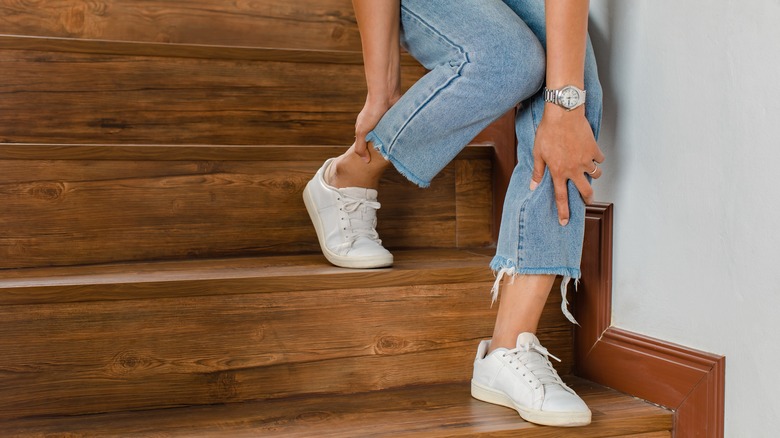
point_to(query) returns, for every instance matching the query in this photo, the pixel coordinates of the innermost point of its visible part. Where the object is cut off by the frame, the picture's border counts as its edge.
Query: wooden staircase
(159, 274)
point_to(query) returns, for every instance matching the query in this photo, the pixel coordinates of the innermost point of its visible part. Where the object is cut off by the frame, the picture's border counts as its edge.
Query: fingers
(562, 200)
(361, 148)
(561, 188)
(585, 189)
(538, 172)
(599, 156)
(596, 172)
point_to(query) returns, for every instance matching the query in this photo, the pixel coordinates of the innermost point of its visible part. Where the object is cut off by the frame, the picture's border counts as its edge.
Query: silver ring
(593, 172)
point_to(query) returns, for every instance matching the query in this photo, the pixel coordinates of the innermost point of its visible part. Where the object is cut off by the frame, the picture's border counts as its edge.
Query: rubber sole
(382, 261)
(559, 419)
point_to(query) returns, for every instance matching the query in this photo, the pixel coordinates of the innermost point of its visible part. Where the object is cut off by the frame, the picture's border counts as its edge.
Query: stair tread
(273, 273)
(431, 411)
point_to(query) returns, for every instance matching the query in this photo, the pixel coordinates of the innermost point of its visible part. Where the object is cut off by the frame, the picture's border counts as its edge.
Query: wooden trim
(687, 381)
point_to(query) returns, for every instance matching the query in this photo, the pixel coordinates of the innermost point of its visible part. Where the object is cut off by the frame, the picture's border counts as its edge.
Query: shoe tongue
(360, 193)
(526, 338)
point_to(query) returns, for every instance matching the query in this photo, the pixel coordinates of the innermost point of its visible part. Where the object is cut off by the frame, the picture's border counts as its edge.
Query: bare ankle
(349, 170)
(508, 342)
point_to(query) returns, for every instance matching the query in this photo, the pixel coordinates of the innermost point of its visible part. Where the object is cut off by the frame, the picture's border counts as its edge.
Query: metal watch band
(550, 95)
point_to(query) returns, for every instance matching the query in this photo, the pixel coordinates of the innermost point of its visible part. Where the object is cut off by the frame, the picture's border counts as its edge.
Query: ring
(593, 172)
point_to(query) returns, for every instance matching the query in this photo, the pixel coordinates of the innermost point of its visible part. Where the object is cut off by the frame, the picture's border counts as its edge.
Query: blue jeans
(485, 57)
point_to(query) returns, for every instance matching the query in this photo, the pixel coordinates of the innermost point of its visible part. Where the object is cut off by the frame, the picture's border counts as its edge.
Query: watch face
(569, 97)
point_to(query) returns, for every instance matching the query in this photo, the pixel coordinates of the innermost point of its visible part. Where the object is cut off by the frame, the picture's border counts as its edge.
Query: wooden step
(90, 204)
(160, 335)
(92, 92)
(424, 411)
(87, 98)
(320, 24)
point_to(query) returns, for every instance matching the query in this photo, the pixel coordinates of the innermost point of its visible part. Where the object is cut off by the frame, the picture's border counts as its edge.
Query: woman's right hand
(369, 116)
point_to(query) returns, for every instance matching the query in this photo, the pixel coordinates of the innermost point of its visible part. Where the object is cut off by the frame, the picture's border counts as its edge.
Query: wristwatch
(568, 97)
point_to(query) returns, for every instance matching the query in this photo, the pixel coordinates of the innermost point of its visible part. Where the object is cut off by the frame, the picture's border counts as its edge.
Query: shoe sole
(559, 419)
(341, 261)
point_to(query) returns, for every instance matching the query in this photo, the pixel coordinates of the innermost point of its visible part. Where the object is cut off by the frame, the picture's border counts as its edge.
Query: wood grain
(324, 24)
(53, 97)
(70, 212)
(68, 358)
(208, 277)
(474, 203)
(188, 152)
(430, 411)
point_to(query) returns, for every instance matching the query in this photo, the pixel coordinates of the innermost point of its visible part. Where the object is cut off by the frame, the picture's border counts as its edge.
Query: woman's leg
(531, 241)
(483, 60)
(532, 248)
(522, 302)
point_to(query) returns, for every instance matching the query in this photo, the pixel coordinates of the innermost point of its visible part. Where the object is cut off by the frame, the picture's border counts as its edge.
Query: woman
(484, 57)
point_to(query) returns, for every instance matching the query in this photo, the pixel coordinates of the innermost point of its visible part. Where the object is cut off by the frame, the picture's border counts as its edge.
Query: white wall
(692, 138)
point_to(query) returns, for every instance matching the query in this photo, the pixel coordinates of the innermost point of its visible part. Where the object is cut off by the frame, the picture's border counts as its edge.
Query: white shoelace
(535, 358)
(361, 214)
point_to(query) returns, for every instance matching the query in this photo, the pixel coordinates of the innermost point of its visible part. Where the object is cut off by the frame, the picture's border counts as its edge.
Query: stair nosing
(125, 281)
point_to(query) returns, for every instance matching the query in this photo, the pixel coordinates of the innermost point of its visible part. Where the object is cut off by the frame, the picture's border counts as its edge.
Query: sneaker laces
(361, 214)
(536, 359)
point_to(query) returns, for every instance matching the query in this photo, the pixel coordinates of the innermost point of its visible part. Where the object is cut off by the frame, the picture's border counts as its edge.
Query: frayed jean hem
(380, 147)
(502, 266)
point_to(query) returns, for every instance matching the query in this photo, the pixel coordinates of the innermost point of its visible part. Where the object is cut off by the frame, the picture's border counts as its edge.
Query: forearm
(379, 24)
(567, 30)
(564, 142)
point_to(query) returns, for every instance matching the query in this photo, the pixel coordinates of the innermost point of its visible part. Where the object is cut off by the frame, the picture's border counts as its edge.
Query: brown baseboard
(687, 381)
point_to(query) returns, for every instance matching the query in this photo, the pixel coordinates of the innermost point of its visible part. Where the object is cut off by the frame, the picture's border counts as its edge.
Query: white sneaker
(345, 221)
(524, 379)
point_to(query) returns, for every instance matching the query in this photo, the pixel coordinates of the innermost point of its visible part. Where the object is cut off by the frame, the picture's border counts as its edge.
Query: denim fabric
(485, 57)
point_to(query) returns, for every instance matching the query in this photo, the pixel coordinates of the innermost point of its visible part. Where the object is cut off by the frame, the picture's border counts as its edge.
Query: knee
(512, 67)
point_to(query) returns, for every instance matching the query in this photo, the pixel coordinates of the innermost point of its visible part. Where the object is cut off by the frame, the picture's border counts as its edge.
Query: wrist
(384, 98)
(387, 88)
(558, 113)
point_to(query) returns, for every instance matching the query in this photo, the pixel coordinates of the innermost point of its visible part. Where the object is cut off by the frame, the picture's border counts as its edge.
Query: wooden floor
(432, 411)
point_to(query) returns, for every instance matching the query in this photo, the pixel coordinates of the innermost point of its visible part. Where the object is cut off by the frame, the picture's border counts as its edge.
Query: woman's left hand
(565, 144)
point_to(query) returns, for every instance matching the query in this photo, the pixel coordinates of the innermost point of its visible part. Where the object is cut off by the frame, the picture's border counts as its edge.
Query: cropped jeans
(484, 57)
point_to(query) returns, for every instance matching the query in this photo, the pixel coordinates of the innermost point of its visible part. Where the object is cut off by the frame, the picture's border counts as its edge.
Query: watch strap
(550, 96)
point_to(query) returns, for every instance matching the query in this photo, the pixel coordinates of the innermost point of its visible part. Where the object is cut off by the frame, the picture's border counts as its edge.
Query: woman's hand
(565, 144)
(369, 116)
(380, 27)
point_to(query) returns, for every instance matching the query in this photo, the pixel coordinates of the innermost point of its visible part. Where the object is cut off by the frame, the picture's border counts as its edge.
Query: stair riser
(70, 212)
(75, 358)
(58, 97)
(322, 24)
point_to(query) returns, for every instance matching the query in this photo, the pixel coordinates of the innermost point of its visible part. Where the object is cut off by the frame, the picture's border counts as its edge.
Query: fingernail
(564, 222)
(534, 185)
